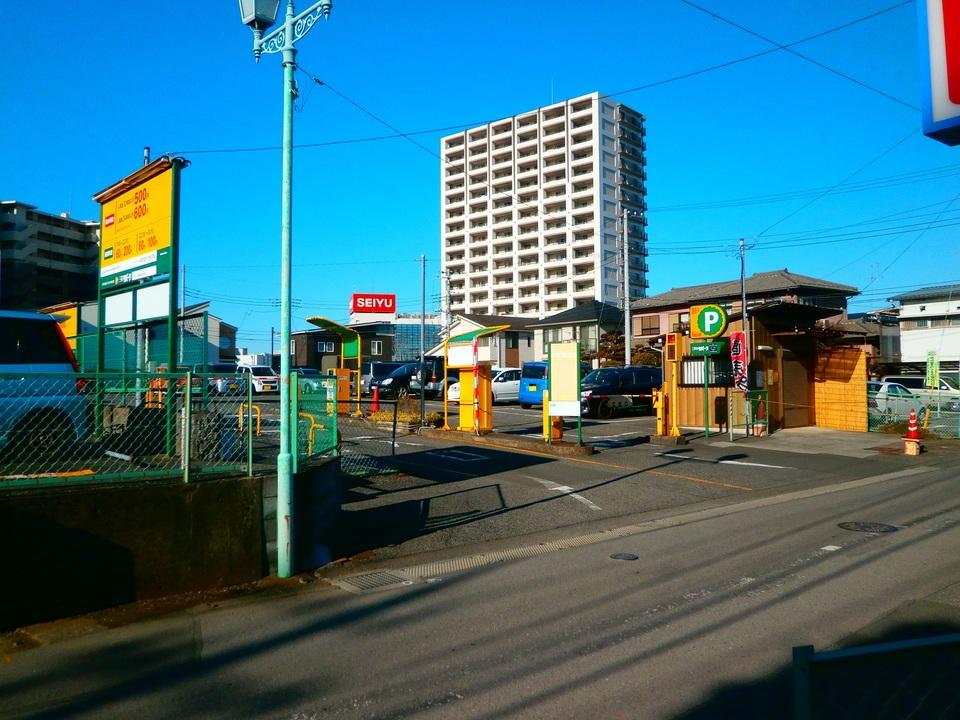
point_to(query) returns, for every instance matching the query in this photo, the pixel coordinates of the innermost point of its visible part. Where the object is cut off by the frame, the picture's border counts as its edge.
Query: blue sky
(817, 161)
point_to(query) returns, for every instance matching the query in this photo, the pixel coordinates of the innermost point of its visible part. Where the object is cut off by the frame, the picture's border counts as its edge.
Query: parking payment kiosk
(473, 360)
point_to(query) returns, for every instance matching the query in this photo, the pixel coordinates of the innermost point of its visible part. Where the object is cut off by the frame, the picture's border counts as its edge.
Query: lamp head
(258, 15)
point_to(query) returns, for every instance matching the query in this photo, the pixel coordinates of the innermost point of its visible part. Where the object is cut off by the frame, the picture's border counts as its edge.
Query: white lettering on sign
(711, 318)
(373, 303)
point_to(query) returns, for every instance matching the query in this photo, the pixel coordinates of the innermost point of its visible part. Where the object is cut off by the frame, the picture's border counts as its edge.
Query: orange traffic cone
(375, 403)
(913, 432)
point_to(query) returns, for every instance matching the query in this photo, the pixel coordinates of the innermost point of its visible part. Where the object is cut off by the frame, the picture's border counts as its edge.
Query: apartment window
(649, 324)
(324, 347)
(376, 348)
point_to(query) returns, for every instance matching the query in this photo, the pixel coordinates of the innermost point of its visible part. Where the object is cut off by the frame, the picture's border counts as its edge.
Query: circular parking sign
(709, 320)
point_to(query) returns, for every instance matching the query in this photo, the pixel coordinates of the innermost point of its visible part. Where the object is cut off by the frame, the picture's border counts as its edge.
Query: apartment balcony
(501, 129)
(527, 140)
(554, 260)
(631, 120)
(454, 227)
(478, 180)
(504, 160)
(453, 173)
(553, 180)
(527, 171)
(582, 290)
(554, 151)
(583, 270)
(581, 139)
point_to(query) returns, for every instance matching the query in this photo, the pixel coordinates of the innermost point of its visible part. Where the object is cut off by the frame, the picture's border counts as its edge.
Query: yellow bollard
(546, 416)
(661, 412)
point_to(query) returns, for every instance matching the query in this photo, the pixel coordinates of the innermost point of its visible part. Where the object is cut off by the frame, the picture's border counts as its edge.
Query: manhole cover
(623, 556)
(867, 527)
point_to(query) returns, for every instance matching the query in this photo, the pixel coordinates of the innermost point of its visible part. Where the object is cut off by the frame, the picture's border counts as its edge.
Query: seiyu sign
(939, 27)
(373, 303)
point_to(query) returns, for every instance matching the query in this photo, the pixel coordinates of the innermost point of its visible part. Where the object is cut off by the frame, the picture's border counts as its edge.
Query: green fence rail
(93, 427)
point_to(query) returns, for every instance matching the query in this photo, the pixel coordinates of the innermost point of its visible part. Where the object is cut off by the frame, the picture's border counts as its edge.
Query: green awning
(350, 338)
(479, 332)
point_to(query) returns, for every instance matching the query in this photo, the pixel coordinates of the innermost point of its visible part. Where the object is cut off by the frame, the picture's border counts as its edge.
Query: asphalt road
(699, 625)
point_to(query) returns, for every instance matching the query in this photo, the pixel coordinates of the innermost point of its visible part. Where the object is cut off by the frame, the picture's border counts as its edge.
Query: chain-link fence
(62, 428)
(889, 681)
(935, 421)
(68, 428)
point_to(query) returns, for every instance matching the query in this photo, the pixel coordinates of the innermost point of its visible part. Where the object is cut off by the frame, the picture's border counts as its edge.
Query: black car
(607, 391)
(397, 383)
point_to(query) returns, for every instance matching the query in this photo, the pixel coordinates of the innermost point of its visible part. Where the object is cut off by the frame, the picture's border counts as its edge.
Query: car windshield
(535, 372)
(404, 370)
(262, 371)
(873, 387)
(602, 377)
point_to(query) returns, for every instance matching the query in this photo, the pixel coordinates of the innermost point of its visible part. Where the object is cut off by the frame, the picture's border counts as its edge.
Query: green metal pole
(187, 420)
(706, 396)
(294, 423)
(284, 460)
(249, 429)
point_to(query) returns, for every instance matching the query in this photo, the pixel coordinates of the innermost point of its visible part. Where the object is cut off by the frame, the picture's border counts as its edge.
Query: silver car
(893, 400)
(42, 406)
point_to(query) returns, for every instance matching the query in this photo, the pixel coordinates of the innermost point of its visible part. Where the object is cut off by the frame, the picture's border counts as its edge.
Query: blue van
(533, 381)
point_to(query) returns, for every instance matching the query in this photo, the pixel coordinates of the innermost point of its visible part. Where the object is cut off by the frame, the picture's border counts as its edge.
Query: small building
(584, 323)
(509, 348)
(930, 323)
(803, 370)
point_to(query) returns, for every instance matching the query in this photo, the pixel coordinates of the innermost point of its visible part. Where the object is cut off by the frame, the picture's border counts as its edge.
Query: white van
(947, 394)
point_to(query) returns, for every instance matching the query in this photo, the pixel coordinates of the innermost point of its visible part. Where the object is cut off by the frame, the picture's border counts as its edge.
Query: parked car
(607, 391)
(432, 375)
(893, 400)
(533, 381)
(264, 378)
(504, 385)
(375, 369)
(310, 380)
(946, 394)
(225, 379)
(39, 414)
(397, 383)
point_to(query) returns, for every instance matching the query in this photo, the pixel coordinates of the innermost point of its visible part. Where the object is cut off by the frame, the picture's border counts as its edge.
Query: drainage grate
(868, 527)
(380, 580)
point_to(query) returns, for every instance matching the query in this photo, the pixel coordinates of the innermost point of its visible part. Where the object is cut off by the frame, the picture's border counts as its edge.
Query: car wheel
(43, 434)
(604, 411)
(525, 406)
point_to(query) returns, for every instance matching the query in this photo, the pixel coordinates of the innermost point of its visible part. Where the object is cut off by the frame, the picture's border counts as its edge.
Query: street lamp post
(260, 15)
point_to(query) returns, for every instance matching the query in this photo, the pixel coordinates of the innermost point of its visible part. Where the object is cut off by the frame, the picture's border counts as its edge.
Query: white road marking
(831, 548)
(457, 455)
(610, 437)
(566, 490)
(678, 456)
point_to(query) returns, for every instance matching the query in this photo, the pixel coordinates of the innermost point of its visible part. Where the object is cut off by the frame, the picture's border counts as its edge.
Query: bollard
(556, 430)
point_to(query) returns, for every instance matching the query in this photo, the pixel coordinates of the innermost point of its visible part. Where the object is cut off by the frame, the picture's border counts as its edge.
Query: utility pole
(627, 328)
(743, 303)
(423, 320)
(271, 345)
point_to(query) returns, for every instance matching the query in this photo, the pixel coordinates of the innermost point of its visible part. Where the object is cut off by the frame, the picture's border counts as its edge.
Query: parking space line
(566, 490)
(721, 461)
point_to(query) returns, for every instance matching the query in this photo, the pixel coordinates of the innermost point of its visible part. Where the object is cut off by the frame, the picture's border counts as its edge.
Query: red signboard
(373, 303)
(738, 360)
(939, 25)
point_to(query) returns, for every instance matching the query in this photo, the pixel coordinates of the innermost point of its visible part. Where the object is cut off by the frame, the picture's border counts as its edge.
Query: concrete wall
(68, 551)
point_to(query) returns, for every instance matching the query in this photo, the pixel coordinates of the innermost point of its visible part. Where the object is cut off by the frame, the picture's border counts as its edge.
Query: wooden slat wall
(840, 389)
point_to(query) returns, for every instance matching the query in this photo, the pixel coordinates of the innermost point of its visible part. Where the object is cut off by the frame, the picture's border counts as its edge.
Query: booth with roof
(348, 369)
(473, 362)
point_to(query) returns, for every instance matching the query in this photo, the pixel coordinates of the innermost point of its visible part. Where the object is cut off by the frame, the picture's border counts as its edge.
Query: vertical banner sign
(939, 29)
(933, 369)
(563, 380)
(738, 360)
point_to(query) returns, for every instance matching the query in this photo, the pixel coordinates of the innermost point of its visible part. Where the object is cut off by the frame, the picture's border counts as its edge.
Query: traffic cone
(913, 432)
(375, 403)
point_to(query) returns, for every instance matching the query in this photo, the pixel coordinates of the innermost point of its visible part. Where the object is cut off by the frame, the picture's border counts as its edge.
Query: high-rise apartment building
(45, 259)
(532, 209)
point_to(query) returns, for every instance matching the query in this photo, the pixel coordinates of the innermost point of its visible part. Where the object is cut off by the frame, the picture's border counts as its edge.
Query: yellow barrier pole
(546, 416)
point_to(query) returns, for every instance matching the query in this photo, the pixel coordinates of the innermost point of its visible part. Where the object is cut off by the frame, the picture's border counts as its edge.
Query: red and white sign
(939, 26)
(373, 303)
(738, 360)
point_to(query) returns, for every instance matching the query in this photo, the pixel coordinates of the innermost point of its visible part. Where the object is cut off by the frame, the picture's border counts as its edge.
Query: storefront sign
(738, 360)
(373, 303)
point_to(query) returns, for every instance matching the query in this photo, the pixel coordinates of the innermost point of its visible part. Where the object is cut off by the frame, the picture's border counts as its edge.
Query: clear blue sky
(820, 173)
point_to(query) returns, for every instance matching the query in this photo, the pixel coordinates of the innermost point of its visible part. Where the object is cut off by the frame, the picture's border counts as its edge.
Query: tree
(646, 356)
(610, 351)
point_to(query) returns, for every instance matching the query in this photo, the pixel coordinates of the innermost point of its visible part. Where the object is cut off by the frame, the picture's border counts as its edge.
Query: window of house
(650, 324)
(324, 347)
(376, 348)
(721, 371)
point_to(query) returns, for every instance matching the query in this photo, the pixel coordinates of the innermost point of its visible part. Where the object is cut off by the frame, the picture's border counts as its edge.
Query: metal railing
(907, 679)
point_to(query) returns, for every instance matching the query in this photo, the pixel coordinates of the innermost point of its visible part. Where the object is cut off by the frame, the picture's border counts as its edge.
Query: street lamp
(260, 15)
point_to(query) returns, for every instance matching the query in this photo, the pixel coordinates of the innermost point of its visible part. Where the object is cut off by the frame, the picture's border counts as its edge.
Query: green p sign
(707, 321)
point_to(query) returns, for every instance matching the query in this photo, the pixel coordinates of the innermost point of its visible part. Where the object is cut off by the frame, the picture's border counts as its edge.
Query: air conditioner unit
(681, 327)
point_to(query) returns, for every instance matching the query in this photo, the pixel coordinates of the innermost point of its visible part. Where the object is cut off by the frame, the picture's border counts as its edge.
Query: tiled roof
(757, 284)
(591, 312)
(515, 323)
(942, 292)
